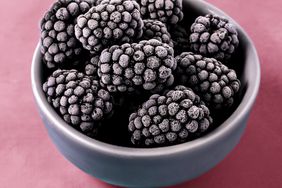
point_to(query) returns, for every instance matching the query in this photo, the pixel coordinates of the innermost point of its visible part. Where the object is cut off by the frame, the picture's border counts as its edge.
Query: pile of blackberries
(99, 52)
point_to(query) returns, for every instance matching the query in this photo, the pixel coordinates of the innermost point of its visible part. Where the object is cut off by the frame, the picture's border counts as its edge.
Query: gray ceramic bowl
(158, 166)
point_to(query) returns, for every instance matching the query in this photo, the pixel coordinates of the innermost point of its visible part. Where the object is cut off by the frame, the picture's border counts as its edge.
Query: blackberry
(166, 11)
(146, 65)
(110, 22)
(58, 43)
(180, 39)
(154, 29)
(213, 81)
(79, 99)
(213, 36)
(175, 117)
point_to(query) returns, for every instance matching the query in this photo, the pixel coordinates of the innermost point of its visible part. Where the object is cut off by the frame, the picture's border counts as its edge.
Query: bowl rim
(114, 150)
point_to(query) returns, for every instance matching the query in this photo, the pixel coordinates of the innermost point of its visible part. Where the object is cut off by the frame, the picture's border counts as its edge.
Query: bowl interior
(245, 62)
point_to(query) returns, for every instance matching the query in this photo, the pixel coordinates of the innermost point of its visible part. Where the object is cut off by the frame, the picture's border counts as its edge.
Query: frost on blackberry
(154, 29)
(213, 36)
(180, 39)
(175, 117)
(110, 22)
(59, 46)
(214, 82)
(166, 11)
(78, 99)
(143, 66)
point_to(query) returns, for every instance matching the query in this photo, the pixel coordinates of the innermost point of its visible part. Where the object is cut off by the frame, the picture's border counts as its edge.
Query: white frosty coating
(110, 22)
(146, 65)
(175, 117)
(166, 11)
(154, 29)
(214, 82)
(59, 45)
(213, 36)
(79, 99)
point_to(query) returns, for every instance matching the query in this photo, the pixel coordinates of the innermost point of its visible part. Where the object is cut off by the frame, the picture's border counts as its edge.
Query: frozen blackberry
(173, 118)
(180, 39)
(79, 99)
(213, 36)
(114, 22)
(146, 65)
(58, 43)
(154, 29)
(166, 11)
(213, 81)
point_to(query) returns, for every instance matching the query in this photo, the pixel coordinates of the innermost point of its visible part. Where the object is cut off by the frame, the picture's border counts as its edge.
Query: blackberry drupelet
(214, 82)
(59, 46)
(166, 11)
(91, 66)
(175, 117)
(154, 29)
(79, 99)
(146, 65)
(111, 22)
(180, 39)
(213, 36)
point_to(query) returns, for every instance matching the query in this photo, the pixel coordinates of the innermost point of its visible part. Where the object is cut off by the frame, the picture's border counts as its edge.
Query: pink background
(29, 159)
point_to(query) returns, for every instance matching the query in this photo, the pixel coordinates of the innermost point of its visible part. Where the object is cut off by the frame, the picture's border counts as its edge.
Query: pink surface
(29, 159)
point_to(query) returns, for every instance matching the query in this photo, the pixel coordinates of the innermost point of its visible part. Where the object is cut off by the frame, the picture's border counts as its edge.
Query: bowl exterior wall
(145, 172)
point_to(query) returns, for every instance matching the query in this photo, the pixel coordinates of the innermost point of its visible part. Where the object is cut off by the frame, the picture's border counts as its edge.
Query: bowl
(140, 167)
